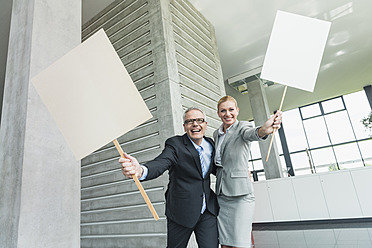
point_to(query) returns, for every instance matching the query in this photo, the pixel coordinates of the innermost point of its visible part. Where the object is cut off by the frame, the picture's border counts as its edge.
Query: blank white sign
(295, 50)
(91, 96)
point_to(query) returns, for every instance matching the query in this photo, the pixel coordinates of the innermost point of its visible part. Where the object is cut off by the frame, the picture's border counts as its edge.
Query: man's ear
(184, 128)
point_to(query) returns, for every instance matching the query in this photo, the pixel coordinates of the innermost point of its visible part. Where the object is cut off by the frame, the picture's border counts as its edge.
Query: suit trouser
(205, 232)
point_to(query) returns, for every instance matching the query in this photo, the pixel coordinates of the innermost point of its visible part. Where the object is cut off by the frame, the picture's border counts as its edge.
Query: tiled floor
(316, 234)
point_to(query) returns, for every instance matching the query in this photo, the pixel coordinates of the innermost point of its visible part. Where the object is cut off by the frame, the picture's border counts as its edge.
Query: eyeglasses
(191, 121)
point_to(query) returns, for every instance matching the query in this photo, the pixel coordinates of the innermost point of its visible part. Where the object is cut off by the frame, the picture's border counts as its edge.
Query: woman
(233, 186)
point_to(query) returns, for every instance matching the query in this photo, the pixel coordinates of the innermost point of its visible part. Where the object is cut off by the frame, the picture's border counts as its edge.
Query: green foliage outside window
(367, 122)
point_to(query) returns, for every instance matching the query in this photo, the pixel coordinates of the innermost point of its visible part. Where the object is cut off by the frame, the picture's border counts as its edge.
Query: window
(255, 151)
(348, 156)
(333, 105)
(331, 134)
(301, 163)
(310, 111)
(316, 132)
(358, 107)
(365, 147)
(292, 122)
(339, 128)
(328, 135)
(323, 158)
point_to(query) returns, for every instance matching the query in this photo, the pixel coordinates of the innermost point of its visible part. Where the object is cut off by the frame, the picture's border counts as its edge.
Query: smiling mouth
(195, 131)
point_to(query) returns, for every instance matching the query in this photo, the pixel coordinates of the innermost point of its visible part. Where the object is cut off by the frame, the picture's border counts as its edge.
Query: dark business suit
(184, 196)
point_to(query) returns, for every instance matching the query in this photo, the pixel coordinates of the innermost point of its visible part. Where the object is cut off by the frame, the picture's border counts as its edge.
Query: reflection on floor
(352, 233)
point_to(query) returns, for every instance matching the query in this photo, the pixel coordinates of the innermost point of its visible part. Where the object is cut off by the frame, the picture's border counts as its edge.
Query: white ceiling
(243, 29)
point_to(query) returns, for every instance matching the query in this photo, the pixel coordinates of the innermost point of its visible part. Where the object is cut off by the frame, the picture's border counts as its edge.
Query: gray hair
(193, 108)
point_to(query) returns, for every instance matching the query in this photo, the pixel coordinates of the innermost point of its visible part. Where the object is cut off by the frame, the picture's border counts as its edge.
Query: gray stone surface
(260, 110)
(5, 15)
(40, 178)
(170, 52)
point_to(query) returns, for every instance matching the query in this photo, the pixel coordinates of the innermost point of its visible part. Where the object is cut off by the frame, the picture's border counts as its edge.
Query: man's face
(193, 126)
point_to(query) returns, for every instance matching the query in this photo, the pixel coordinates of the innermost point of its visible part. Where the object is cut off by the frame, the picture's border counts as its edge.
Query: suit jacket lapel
(216, 138)
(213, 153)
(190, 147)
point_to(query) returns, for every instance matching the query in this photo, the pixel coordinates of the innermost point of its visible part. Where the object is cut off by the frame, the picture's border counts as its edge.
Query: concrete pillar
(170, 52)
(261, 113)
(5, 14)
(39, 177)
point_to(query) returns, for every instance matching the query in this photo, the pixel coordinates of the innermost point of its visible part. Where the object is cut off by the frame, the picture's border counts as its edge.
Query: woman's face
(228, 112)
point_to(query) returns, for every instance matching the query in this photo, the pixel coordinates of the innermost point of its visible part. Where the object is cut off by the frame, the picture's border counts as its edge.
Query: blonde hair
(225, 99)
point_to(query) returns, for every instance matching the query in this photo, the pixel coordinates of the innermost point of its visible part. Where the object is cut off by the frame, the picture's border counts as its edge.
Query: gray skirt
(235, 220)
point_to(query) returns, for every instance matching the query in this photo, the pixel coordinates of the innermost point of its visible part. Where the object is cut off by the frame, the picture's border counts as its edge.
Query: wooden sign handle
(135, 178)
(273, 134)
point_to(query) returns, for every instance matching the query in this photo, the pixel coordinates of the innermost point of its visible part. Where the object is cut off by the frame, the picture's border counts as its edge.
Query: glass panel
(257, 165)
(255, 150)
(300, 163)
(366, 149)
(324, 159)
(284, 166)
(348, 156)
(368, 162)
(310, 111)
(339, 127)
(278, 142)
(358, 107)
(261, 176)
(294, 132)
(332, 105)
(316, 132)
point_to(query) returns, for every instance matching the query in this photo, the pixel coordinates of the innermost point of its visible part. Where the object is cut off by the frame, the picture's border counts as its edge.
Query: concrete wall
(333, 195)
(39, 177)
(198, 63)
(5, 15)
(170, 52)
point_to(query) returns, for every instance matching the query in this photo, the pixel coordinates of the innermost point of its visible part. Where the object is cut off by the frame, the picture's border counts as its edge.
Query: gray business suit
(233, 186)
(233, 176)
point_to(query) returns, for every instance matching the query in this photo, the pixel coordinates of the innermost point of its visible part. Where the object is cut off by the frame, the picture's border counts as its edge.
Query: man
(191, 205)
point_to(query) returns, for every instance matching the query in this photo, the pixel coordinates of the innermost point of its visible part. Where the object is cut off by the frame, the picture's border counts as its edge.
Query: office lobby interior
(313, 193)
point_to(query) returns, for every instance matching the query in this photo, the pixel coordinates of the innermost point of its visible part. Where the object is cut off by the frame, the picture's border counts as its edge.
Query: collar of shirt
(220, 130)
(205, 144)
(221, 137)
(207, 148)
